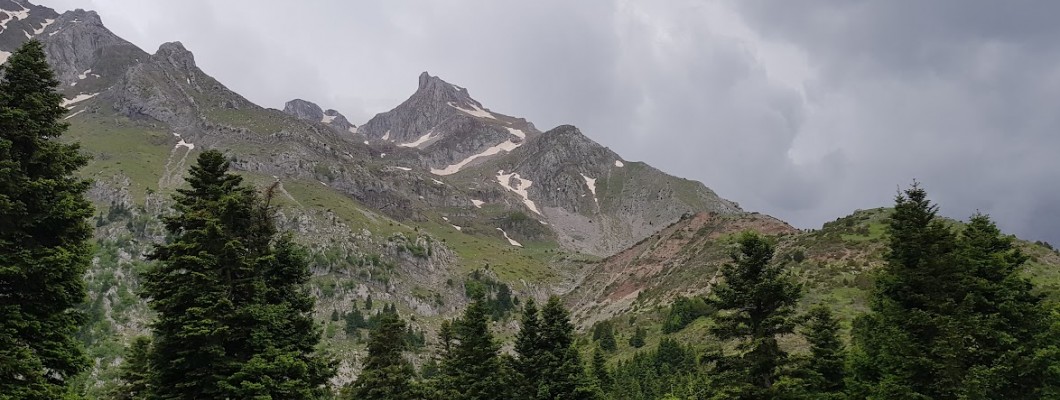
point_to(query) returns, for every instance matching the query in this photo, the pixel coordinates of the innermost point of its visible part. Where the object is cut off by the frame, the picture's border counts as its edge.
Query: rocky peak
(438, 90)
(83, 16)
(20, 21)
(303, 110)
(176, 54)
(337, 120)
(309, 111)
(434, 102)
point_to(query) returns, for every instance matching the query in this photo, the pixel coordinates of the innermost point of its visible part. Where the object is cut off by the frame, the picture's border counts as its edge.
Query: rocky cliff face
(310, 112)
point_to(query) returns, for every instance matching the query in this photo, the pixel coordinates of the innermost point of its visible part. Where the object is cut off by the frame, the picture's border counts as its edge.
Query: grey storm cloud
(803, 110)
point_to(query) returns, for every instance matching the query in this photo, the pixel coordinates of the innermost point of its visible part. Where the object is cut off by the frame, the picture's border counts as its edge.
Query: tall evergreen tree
(826, 365)
(135, 372)
(758, 301)
(44, 233)
(951, 316)
(907, 348)
(600, 371)
(387, 375)
(233, 311)
(562, 375)
(472, 368)
(1006, 324)
(528, 348)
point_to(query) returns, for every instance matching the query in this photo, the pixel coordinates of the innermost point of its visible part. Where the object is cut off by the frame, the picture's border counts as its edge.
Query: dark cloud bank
(803, 110)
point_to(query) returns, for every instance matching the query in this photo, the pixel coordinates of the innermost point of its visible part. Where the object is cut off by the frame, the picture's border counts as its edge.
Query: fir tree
(600, 371)
(234, 316)
(604, 335)
(528, 349)
(135, 372)
(562, 375)
(472, 368)
(386, 375)
(758, 299)
(825, 367)
(910, 345)
(637, 340)
(1007, 325)
(44, 233)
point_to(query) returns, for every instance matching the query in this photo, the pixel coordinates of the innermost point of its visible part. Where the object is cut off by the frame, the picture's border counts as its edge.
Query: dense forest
(950, 316)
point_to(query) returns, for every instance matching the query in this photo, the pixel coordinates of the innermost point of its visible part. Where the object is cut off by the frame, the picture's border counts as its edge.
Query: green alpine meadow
(163, 237)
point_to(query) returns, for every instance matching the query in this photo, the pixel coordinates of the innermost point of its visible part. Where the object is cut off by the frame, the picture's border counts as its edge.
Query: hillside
(412, 206)
(834, 264)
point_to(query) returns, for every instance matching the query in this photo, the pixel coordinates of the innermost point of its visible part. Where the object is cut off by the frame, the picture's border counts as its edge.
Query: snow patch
(416, 143)
(452, 169)
(404, 168)
(13, 15)
(457, 227)
(438, 182)
(74, 114)
(446, 219)
(386, 136)
(382, 155)
(328, 118)
(591, 183)
(84, 75)
(3, 56)
(521, 188)
(183, 143)
(77, 99)
(477, 203)
(28, 36)
(365, 142)
(42, 26)
(475, 111)
(516, 132)
(322, 183)
(619, 164)
(353, 129)
(510, 240)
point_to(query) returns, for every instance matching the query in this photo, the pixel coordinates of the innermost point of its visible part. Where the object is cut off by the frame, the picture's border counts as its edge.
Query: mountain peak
(304, 110)
(176, 53)
(434, 88)
(85, 16)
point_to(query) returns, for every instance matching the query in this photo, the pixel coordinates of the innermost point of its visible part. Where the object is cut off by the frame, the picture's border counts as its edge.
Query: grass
(122, 147)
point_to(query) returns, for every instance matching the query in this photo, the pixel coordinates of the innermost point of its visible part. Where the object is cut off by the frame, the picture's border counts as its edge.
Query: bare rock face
(20, 21)
(448, 129)
(310, 112)
(596, 202)
(338, 121)
(303, 110)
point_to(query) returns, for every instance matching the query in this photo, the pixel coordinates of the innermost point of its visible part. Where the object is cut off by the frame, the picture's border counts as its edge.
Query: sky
(802, 110)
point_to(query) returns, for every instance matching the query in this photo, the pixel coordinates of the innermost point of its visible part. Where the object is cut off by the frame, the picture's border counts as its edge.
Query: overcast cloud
(803, 110)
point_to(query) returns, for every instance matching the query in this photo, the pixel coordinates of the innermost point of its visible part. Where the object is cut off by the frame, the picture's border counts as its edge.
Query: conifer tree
(826, 366)
(234, 316)
(472, 368)
(909, 346)
(600, 371)
(135, 372)
(637, 340)
(44, 233)
(527, 349)
(758, 299)
(386, 375)
(562, 375)
(1007, 325)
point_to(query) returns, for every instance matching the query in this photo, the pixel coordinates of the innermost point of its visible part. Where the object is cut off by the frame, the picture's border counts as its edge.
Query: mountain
(309, 111)
(408, 208)
(403, 208)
